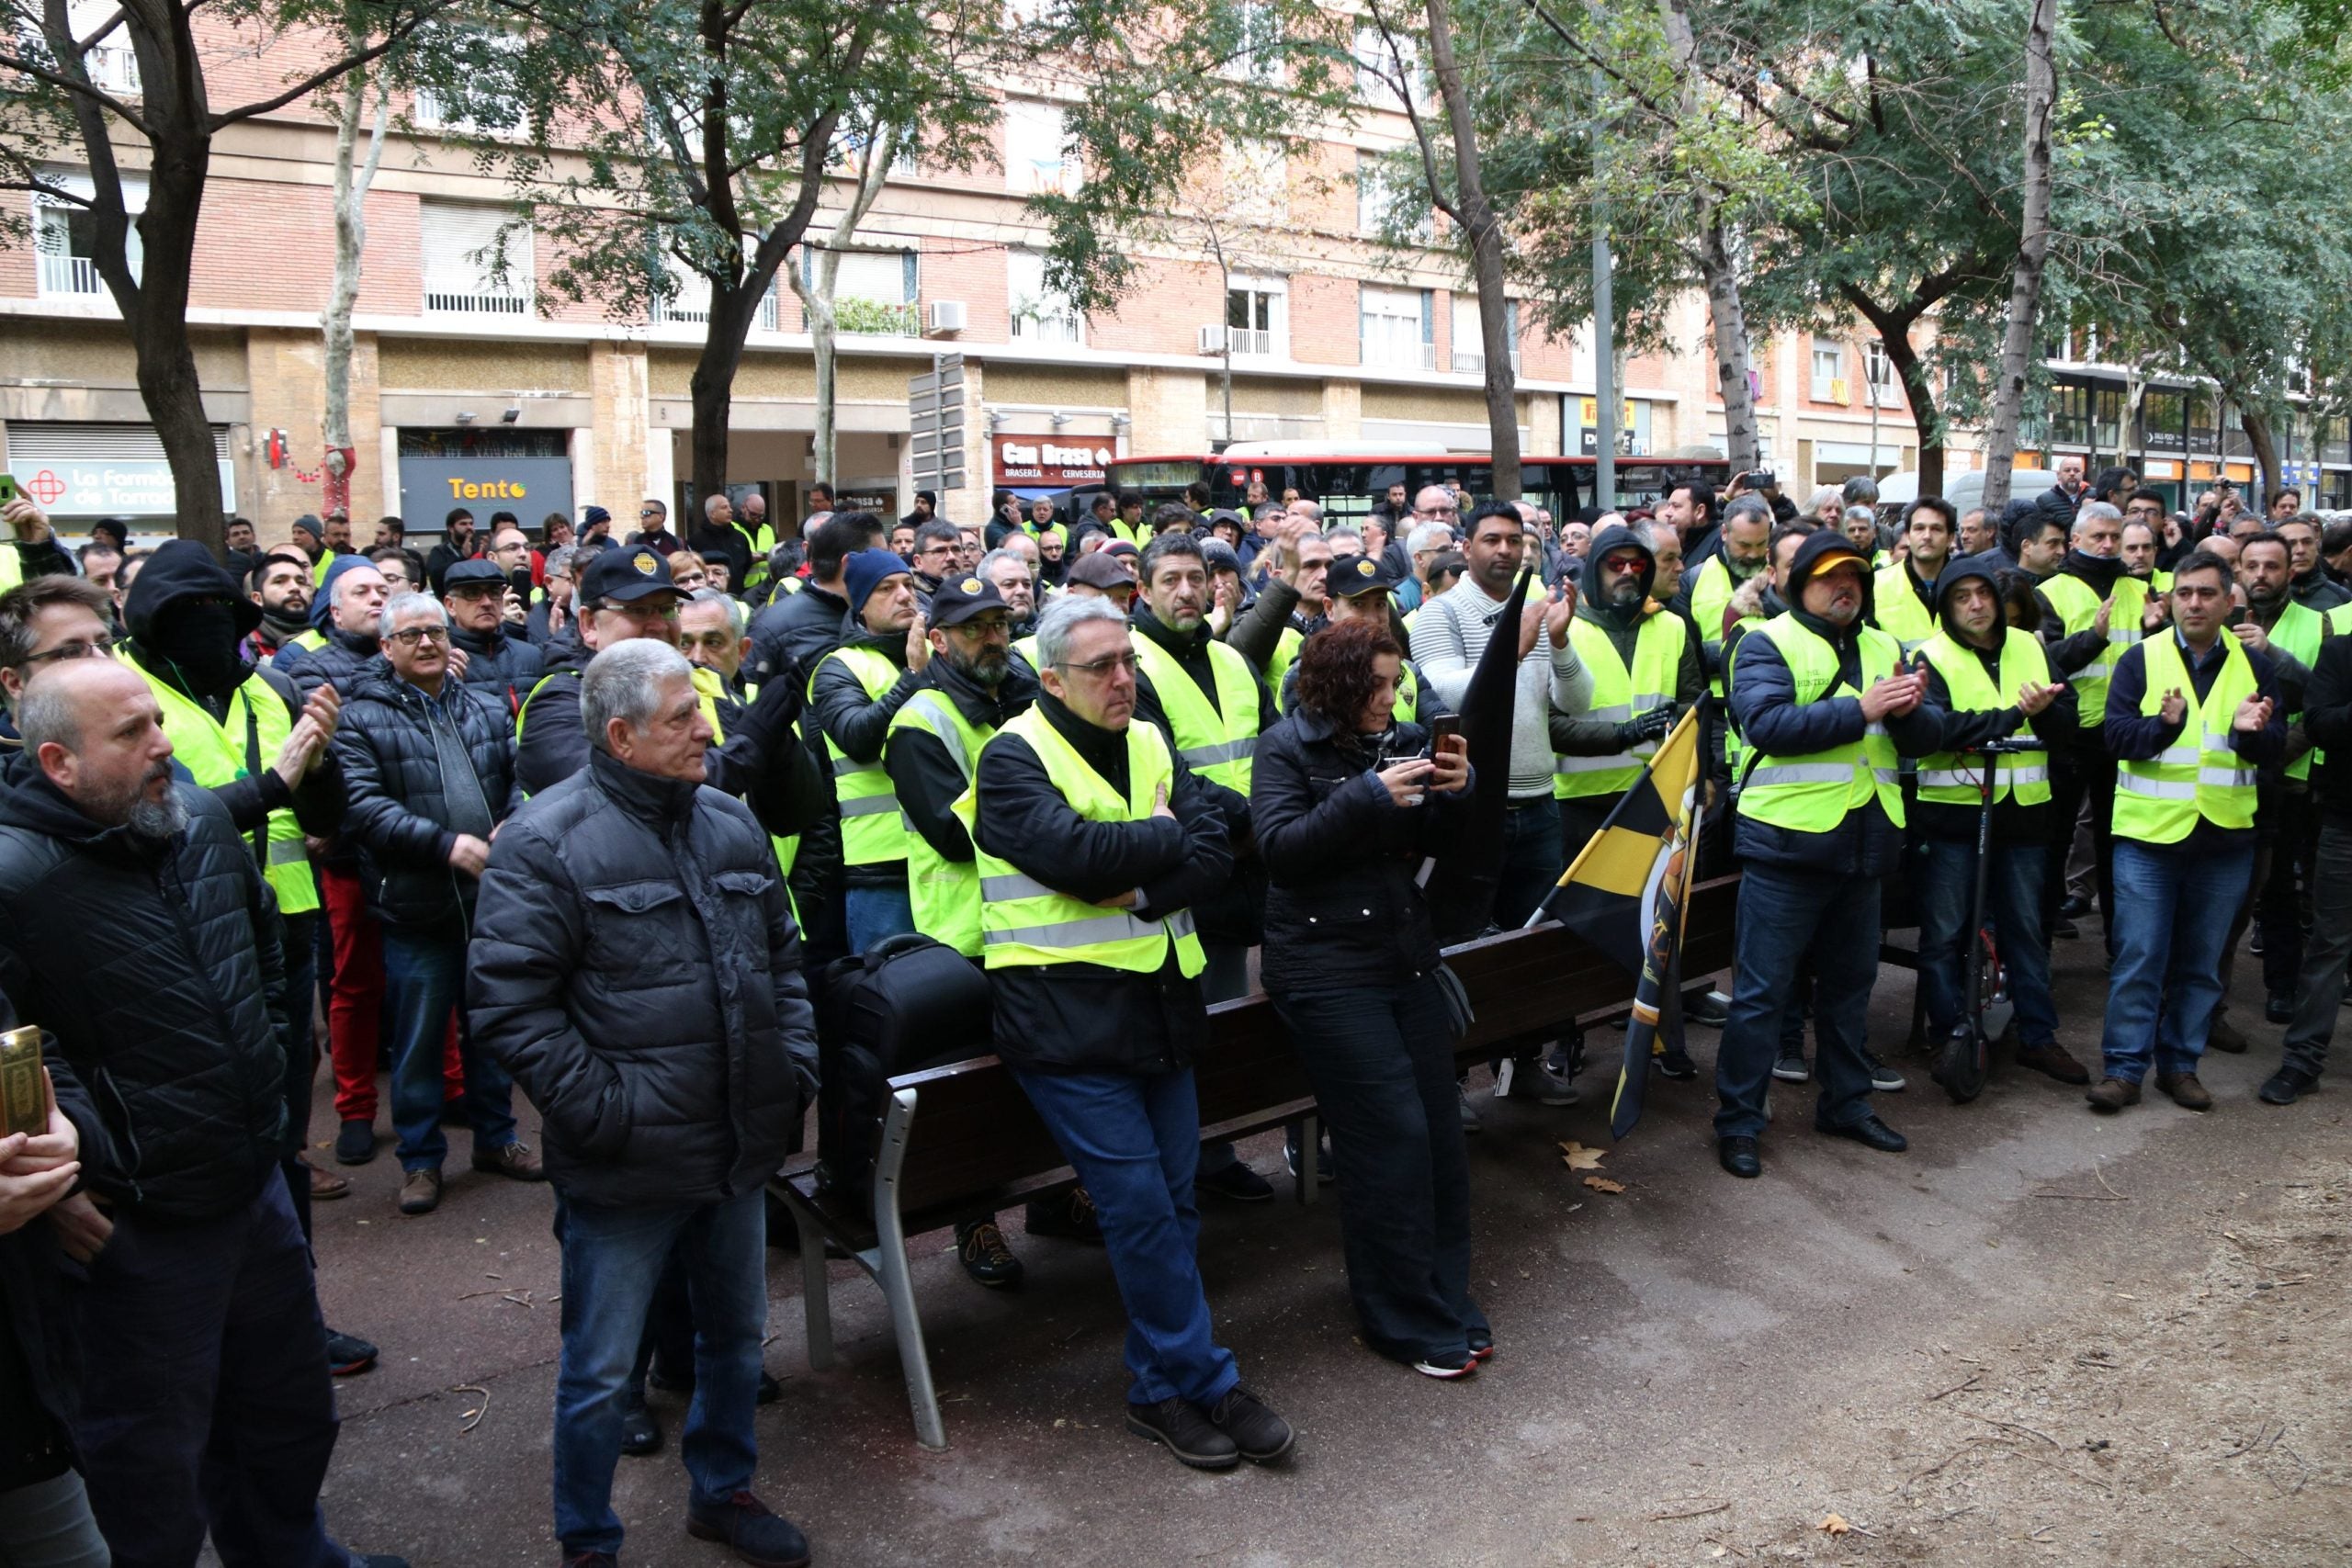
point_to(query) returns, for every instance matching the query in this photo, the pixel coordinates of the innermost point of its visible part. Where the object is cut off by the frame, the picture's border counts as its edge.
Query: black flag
(1462, 891)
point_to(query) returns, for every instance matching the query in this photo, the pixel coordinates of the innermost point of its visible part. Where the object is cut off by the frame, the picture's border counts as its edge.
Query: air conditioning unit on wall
(946, 316)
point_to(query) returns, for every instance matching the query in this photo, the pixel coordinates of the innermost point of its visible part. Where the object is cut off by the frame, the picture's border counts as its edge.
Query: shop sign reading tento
(532, 487)
(1049, 460)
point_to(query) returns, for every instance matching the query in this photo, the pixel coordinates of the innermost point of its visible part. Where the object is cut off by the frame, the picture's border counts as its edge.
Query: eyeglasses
(1626, 564)
(647, 511)
(409, 637)
(692, 580)
(668, 612)
(103, 647)
(1102, 668)
(1434, 512)
(716, 642)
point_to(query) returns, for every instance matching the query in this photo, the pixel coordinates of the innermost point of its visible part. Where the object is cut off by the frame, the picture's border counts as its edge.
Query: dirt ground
(2041, 1337)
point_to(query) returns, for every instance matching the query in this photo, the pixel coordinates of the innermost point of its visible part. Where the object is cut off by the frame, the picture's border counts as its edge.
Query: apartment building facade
(474, 384)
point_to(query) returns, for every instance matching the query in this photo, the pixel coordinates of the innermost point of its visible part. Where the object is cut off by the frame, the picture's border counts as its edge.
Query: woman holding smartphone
(1347, 804)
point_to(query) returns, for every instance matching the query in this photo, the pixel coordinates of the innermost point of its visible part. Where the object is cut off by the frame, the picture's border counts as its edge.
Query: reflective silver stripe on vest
(1223, 752)
(923, 707)
(2217, 743)
(1115, 927)
(2089, 673)
(1004, 889)
(2226, 778)
(287, 852)
(1601, 764)
(2179, 757)
(845, 766)
(1615, 713)
(870, 806)
(2154, 789)
(1803, 772)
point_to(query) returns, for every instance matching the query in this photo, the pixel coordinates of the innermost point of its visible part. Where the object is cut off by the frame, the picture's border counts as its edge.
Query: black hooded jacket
(839, 707)
(1576, 736)
(181, 571)
(1957, 730)
(1764, 705)
(157, 966)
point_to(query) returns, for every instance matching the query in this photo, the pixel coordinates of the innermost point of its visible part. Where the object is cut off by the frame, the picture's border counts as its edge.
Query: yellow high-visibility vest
(214, 754)
(2199, 775)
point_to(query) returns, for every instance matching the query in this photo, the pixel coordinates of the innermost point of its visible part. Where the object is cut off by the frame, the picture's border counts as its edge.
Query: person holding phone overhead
(1347, 802)
(34, 551)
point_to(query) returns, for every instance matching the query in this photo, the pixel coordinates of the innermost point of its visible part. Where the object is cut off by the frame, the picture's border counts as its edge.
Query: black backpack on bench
(910, 1003)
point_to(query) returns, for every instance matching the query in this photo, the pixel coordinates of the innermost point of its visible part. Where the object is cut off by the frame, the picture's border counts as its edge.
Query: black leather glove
(1650, 725)
(772, 712)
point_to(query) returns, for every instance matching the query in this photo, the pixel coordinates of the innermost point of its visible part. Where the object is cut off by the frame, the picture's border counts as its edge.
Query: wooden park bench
(979, 1148)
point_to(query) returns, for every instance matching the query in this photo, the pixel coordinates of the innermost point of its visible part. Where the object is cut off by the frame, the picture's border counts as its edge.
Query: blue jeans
(1830, 924)
(1532, 861)
(1382, 1064)
(1134, 1140)
(2173, 910)
(423, 978)
(873, 913)
(611, 1259)
(206, 1403)
(1943, 887)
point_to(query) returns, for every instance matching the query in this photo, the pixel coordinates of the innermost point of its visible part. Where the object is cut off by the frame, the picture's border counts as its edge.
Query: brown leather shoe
(2223, 1036)
(421, 1192)
(325, 1185)
(513, 1160)
(2054, 1060)
(2113, 1094)
(2186, 1091)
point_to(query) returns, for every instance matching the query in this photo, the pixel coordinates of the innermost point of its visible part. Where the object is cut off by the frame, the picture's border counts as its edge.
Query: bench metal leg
(897, 1280)
(1310, 1160)
(815, 1287)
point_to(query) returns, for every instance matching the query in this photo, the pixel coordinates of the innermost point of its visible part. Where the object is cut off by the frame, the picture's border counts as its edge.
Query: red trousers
(356, 1001)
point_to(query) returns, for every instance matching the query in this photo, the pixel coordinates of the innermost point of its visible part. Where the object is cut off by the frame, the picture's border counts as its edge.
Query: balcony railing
(70, 274)
(1037, 327)
(1472, 362)
(696, 311)
(440, 304)
(1399, 355)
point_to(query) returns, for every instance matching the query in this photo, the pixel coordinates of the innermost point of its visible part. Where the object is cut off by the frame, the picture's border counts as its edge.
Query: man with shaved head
(137, 925)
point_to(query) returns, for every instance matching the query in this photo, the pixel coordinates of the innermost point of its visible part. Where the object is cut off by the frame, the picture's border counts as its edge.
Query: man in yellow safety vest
(1093, 841)
(853, 693)
(2193, 716)
(1825, 708)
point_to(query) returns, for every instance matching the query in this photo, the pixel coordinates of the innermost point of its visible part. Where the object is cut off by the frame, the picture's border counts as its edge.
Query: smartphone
(1443, 728)
(2236, 616)
(519, 579)
(8, 491)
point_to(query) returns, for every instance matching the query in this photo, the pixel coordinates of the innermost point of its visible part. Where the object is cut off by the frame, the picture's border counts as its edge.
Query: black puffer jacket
(337, 664)
(502, 663)
(1343, 911)
(796, 631)
(39, 1366)
(1232, 916)
(157, 967)
(635, 965)
(839, 707)
(400, 799)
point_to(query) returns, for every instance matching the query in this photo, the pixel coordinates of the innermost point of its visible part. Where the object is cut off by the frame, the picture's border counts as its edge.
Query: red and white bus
(1347, 480)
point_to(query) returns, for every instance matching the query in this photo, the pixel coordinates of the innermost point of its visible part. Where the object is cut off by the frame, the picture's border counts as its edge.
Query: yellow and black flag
(1626, 893)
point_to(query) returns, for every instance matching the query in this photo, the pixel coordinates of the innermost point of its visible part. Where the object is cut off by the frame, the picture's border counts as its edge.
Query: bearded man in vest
(2289, 633)
(972, 685)
(2192, 717)
(1987, 681)
(1094, 841)
(1904, 593)
(1825, 707)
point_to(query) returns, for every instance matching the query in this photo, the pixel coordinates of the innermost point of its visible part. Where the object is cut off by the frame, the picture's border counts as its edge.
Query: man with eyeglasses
(44, 623)
(628, 593)
(1093, 841)
(653, 528)
(501, 664)
(939, 549)
(430, 768)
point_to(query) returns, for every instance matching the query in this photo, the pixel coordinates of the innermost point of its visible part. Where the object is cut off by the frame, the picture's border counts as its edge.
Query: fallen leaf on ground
(1602, 1184)
(1834, 1525)
(1579, 1157)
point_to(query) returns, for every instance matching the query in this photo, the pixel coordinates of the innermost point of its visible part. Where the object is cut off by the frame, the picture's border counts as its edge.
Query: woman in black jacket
(1346, 804)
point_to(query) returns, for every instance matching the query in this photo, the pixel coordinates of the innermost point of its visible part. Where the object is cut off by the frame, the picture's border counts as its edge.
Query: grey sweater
(1450, 636)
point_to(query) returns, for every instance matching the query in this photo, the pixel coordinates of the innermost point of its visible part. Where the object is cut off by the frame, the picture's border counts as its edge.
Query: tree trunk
(155, 310)
(352, 178)
(816, 295)
(2259, 435)
(1730, 319)
(733, 306)
(2033, 252)
(1486, 258)
(1718, 271)
(1893, 329)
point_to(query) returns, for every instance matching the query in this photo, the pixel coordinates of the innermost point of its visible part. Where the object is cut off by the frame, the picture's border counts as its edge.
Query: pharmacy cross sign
(45, 487)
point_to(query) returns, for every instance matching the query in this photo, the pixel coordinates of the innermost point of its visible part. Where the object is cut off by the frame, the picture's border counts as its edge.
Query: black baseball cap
(959, 599)
(467, 574)
(624, 576)
(1351, 575)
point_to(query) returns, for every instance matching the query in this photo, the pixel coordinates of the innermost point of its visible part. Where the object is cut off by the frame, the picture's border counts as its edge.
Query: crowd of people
(588, 813)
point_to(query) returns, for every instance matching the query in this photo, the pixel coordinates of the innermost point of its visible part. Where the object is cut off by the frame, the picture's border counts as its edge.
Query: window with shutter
(66, 234)
(477, 258)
